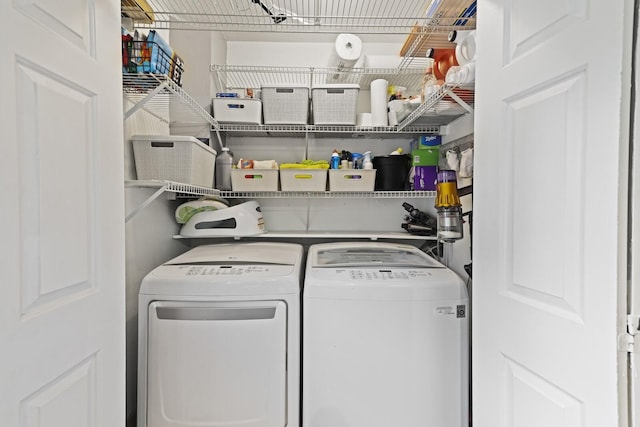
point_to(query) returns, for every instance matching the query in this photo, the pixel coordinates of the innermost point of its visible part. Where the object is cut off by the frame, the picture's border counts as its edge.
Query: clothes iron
(244, 219)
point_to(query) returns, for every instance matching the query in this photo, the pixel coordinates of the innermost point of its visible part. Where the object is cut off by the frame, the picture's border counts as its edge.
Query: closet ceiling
(374, 20)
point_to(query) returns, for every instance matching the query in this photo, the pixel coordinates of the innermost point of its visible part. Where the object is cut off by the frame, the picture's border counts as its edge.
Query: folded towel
(265, 164)
(306, 164)
(185, 211)
(257, 164)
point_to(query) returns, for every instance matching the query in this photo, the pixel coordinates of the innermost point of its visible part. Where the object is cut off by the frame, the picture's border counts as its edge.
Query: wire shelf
(307, 16)
(327, 194)
(328, 130)
(444, 106)
(245, 76)
(156, 93)
(195, 190)
(346, 234)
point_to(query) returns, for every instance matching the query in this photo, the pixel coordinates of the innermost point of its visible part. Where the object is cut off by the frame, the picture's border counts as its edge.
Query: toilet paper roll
(346, 52)
(379, 102)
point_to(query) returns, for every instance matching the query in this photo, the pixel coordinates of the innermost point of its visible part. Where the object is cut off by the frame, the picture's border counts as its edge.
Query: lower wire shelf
(368, 235)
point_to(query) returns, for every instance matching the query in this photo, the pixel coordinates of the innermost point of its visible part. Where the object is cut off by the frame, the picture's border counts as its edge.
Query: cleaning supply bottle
(397, 151)
(367, 164)
(224, 163)
(335, 160)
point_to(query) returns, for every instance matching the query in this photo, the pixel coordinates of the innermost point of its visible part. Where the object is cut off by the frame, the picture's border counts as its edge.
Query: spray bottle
(367, 164)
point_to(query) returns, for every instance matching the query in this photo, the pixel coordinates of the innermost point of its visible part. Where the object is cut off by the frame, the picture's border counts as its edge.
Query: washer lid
(260, 253)
(369, 255)
(233, 269)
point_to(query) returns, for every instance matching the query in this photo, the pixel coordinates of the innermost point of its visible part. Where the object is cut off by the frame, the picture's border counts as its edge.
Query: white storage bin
(254, 179)
(303, 179)
(237, 110)
(174, 158)
(352, 179)
(334, 104)
(285, 104)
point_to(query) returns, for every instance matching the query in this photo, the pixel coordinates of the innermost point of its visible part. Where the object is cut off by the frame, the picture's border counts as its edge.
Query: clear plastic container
(428, 80)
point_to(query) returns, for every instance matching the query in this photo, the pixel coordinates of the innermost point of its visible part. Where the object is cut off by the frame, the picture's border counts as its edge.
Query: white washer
(385, 339)
(219, 338)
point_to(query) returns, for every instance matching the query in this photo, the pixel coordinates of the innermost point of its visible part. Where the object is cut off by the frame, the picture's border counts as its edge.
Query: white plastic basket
(237, 110)
(352, 179)
(254, 179)
(285, 104)
(181, 159)
(303, 179)
(335, 104)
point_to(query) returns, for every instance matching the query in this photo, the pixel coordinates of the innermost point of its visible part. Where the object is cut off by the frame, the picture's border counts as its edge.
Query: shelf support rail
(146, 202)
(144, 100)
(459, 100)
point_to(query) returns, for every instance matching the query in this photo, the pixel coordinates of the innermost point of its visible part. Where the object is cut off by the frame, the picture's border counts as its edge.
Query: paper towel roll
(347, 51)
(379, 115)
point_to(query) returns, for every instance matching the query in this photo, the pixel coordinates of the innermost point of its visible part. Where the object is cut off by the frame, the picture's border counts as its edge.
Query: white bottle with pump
(224, 163)
(367, 164)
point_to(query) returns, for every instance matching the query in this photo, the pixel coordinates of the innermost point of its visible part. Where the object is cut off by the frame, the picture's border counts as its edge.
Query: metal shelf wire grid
(328, 130)
(327, 194)
(307, 16)
(246, 76)
(156, 93)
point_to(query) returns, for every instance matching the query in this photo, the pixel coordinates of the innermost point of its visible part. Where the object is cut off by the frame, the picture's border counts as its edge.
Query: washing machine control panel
(375, 274)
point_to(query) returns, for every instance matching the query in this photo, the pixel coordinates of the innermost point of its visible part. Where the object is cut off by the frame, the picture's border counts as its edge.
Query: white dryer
(219, 338)
(385, 339)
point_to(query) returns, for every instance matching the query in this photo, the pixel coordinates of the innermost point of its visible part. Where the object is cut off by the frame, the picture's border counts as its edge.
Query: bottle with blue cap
(335, 160)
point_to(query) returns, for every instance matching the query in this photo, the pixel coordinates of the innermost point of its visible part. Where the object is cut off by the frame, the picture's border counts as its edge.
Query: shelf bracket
(144, 100)
(459, 100)
(146, 203)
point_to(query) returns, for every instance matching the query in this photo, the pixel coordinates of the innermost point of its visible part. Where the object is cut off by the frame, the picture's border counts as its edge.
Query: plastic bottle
(224, 163)
(367, 164)
(335, 160)
(428, 80)
(397, 151)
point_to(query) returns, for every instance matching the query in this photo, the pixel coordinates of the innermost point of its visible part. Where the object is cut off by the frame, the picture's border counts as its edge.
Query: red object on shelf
(443, 59)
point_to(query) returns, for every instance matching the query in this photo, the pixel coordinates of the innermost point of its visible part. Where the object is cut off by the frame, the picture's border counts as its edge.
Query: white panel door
(549, 211)
(61, 256)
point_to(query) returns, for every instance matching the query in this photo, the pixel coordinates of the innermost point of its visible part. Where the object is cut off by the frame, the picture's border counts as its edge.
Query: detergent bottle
(224, 163)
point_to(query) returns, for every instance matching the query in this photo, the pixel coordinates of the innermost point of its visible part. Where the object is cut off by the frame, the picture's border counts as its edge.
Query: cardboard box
(426, 157)
(429, 141)
(424, 178)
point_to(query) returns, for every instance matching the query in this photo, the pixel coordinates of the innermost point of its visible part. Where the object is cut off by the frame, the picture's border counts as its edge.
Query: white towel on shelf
(463, 74)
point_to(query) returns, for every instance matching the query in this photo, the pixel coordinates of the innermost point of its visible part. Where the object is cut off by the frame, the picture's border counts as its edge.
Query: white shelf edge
(176, 187)
(322, 235)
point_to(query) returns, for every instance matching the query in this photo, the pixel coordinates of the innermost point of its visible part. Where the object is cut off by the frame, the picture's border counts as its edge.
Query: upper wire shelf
(157, 94)
(307, 16)
(248, 76)
(328, 130)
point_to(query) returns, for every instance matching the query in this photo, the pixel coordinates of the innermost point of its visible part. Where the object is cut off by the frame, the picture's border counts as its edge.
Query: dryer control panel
(384, 274)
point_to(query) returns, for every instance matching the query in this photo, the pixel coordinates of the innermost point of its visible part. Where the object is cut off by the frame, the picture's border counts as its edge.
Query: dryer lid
(371, 255)
(263, 253)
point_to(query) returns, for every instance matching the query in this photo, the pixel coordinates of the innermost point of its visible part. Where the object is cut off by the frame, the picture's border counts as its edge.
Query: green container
(426, 157)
